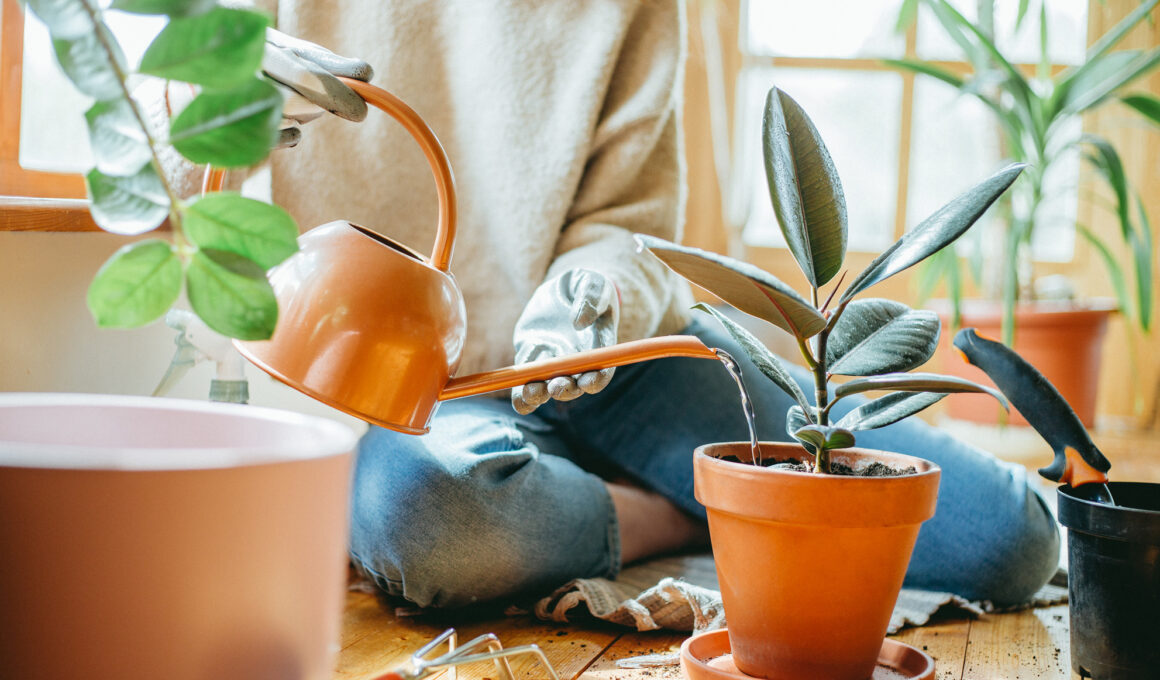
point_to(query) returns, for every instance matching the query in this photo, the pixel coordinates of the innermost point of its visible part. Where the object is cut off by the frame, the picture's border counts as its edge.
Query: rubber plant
(220, 245)
(877, 342)
(1036, 117)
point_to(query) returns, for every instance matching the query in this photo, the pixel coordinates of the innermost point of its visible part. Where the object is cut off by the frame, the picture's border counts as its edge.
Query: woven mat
(680, 593)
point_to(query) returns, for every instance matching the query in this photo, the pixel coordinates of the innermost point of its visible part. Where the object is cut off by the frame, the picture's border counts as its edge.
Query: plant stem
(821, 395)
(122, 80)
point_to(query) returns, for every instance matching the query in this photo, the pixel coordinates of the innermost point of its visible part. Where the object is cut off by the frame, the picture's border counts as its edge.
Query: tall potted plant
(170, 538)
(1036, 118)
(805, 512)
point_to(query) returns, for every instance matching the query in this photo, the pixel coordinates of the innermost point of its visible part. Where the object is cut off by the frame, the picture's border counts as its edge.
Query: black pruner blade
(1077, 460)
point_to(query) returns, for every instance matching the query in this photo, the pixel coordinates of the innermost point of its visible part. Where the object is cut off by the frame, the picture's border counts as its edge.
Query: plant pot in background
(161, 538)
(1063, 341)
(810, 565)
(1114, 580)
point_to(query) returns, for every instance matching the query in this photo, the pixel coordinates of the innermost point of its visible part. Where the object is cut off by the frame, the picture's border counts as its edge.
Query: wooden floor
(1030, 644)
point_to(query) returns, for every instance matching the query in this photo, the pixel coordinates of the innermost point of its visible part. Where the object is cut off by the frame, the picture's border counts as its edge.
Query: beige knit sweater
(561, 122)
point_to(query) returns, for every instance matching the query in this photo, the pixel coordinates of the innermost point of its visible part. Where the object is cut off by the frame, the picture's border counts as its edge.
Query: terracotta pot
(1063, 342)
(810, 565)
(166, 538)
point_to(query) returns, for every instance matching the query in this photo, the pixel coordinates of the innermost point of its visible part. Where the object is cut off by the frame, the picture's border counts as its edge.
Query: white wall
(50, 343)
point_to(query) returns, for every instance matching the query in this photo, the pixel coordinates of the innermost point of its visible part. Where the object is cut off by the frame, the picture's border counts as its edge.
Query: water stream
(746, 402)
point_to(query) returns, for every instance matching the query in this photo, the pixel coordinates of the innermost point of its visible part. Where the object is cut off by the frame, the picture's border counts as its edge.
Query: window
(903, 145)
(44, 147)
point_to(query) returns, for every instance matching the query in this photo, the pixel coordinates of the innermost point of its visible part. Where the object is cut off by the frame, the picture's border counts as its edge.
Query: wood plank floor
(1029, 645)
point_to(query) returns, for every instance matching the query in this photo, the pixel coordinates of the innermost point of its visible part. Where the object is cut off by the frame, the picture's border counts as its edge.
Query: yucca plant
(877, 342)
(1033, 116)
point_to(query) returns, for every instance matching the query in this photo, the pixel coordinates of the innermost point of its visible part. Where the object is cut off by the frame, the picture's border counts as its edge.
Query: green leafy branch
(222, 243)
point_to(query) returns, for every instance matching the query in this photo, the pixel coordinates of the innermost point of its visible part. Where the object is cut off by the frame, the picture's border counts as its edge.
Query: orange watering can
(374, 329)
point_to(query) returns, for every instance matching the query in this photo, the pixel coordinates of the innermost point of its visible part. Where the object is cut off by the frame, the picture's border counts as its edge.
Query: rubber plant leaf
(805, 189)
(176, 8)
(1036, 398)
(89, 66)
(766, 361)
(935, 232)
(127, 205)
(881, 336)
(136, 285)
(888, 409)
(914, 382)
(219, 49)
(231, 295)
(741, 284)
(117, 141)
(231, 128)
(795, 419)
(825, 437)
(228, 221)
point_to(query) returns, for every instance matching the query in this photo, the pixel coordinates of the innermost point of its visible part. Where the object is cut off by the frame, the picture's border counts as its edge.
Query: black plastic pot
(1114, 580)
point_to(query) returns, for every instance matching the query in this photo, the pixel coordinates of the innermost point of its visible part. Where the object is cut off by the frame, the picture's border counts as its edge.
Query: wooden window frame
(30, 200)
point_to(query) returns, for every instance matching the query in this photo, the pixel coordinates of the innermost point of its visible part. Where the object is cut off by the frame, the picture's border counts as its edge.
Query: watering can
(374, 329)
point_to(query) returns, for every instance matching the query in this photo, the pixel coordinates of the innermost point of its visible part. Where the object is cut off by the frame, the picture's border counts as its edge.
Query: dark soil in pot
(1114, 580)
(874, 469)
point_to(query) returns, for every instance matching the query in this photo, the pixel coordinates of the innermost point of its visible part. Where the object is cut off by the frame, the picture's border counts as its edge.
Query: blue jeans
(491, 504)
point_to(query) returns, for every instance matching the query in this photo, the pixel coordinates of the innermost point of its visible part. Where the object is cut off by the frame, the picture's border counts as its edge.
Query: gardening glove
(306, 74)
(576, 311)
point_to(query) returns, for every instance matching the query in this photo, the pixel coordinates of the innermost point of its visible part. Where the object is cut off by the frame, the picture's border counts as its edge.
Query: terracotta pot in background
(1063, 342)
(810, 565)
(163, 538)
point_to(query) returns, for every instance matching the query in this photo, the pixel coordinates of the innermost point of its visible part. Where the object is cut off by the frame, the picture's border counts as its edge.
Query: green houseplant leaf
(935, 232)
(64, 18)
(231, 295)
(887, 410)
(127, 205)
(136, 285)
(742, 285)
(232, 128)
(89, 65)
(1144, 104)
(177, 8)
(118, 143)
(881, 336)
(766, 361)
(1115, 271)
(805, 189)
(228, 221)
(221, 48)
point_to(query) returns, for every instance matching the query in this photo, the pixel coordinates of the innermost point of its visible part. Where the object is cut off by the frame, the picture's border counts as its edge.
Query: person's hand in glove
(575, 311)
(306, 73)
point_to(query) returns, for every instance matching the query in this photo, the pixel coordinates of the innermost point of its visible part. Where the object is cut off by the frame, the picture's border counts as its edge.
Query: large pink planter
(158, 538)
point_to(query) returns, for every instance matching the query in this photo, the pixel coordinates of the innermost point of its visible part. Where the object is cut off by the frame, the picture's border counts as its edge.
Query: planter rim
(743, 489)
(305, 437)
(986, 311)
(1120, 522)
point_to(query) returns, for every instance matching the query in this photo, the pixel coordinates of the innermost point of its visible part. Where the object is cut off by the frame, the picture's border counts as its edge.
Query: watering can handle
(436, 158)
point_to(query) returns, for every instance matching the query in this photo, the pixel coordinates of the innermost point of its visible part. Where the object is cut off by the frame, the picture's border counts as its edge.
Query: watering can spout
(572, 364)
(373, 328)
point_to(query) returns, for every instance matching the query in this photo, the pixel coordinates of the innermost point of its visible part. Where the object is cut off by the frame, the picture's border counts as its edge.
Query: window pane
(809, 29)
(1066, 32)
(954, 145)
(857, 114)
(52, 125)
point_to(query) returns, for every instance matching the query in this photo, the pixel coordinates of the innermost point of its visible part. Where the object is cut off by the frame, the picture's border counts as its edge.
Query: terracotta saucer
(707, 657)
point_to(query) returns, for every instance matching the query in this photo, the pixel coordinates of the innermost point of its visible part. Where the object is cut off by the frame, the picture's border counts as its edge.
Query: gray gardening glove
(576, 311)
(306, 73)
